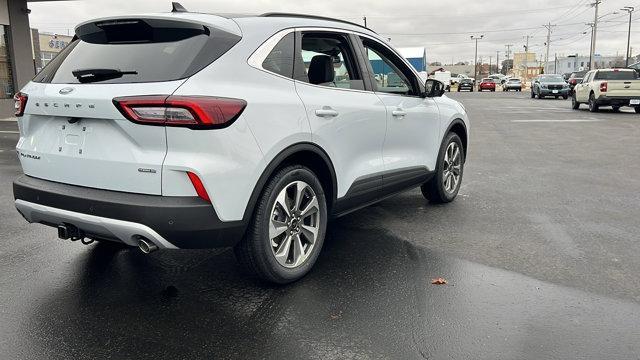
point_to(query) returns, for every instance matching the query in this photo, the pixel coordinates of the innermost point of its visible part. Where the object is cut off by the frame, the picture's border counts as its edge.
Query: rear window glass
(616, 75)
(116, 58)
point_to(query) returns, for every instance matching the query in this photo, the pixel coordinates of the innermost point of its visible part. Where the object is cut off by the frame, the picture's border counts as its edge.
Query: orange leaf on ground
(439, 281)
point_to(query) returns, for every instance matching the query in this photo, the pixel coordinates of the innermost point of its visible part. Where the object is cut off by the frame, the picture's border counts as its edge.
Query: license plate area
(72, 138)
(555, 91)
(634, 102)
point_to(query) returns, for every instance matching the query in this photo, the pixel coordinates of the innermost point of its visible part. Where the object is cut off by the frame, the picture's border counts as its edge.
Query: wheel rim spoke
(310, 233)
(281, 201)
(299, 194)
(276, 228)
(310, 209)
(282, 253)
(298, 250)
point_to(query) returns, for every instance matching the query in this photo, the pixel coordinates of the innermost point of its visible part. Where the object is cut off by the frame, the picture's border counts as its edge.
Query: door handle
(326, 112)
(399, 113)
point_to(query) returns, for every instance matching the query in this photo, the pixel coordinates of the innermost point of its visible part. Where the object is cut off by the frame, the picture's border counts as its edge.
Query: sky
(443, 27)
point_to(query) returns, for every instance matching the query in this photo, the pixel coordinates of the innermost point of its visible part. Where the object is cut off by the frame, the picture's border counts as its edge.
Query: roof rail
(315, 17)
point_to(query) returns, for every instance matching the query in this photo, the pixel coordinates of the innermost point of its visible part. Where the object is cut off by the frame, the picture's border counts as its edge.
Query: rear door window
(137, 50)
(329, 61)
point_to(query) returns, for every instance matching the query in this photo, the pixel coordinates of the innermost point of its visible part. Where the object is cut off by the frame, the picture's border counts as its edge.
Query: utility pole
(630, 10)
(508, 53)
(365, 21)
(555, 64)
(594, 35)
(498, 61)
(490, 64)
(546, 58)
(526, 47)
(476, 38)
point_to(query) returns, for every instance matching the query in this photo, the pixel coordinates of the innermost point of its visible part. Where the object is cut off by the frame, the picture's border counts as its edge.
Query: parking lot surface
(540, 252)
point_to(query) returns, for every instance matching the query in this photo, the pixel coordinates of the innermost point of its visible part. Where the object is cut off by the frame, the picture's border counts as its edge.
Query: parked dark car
(574, 79)
(465, 84)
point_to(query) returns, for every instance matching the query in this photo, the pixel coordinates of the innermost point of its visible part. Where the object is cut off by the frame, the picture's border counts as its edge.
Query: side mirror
(433, 88)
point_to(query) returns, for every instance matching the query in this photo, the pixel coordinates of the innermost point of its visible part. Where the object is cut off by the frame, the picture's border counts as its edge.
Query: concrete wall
(20, 43)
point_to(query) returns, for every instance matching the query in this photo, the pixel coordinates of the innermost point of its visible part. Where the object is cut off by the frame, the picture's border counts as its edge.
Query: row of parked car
(491, 84)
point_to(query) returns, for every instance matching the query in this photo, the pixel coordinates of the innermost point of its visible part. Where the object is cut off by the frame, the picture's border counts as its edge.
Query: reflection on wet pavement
(370, 296)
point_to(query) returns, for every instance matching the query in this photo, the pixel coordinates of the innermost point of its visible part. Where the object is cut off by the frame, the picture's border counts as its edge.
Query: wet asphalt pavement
(540, 251)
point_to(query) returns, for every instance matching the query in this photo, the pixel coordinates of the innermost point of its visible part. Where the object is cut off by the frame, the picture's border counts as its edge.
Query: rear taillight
(198, 186)
(195, 112)
(20, 103)
(604, 86)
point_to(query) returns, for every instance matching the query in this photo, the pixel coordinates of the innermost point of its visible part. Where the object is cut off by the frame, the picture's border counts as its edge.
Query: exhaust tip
(146, 246)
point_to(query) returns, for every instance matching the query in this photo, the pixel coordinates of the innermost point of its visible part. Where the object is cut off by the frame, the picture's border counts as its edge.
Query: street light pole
(630, 10)
(593, 37)
(475, 71)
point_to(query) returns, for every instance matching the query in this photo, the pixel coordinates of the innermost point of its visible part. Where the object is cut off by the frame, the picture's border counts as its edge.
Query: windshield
(552, 78)
(514, 80)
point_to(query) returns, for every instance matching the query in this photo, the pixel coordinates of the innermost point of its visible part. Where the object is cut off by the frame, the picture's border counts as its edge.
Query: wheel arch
(458, 127)
(306, 154)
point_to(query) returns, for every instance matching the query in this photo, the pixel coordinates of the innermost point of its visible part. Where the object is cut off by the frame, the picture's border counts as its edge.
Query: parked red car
(487, 84)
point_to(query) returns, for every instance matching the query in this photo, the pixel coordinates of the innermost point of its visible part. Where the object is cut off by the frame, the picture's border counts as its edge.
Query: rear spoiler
(133, 31)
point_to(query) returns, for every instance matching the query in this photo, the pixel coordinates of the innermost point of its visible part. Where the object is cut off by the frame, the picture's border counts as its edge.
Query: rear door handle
(399, 113)
(326, 112)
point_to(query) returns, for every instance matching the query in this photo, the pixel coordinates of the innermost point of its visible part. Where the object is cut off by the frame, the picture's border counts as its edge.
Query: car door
(413, 122)
(346, 118)
(582, 88)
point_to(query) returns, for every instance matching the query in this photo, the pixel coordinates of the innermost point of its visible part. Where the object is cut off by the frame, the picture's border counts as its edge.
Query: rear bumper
(170, 222)
(616, 100)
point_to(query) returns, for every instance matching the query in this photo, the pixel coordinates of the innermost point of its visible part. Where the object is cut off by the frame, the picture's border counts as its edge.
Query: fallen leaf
(439, 281)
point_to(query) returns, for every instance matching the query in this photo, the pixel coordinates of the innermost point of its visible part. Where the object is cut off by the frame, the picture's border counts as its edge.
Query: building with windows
(16, 51)
(49, 46)
(572, 63)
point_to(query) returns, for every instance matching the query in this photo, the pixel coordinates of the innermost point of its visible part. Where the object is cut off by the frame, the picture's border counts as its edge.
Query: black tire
(493, 90)
(254, 252)
(615, 108)
(637, 109)
(593, 106)
(575, 105)
(434, 189)
(533, 95)
(565, 97)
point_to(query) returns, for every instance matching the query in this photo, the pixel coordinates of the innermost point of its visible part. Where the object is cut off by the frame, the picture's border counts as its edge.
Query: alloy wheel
(294, 224)
(452, 167)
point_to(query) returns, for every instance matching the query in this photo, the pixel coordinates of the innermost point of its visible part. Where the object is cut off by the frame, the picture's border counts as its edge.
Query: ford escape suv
(184, 130)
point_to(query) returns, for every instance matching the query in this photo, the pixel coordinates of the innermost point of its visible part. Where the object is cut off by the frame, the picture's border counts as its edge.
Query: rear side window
(137, 50)
(280, 59)
(616, 75)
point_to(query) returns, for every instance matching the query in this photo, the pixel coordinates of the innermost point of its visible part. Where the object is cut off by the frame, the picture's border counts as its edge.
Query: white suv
(184, 130)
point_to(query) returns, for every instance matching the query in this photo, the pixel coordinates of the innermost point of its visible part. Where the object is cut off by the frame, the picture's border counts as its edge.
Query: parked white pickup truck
(608, 87)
